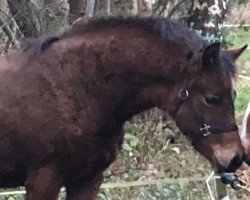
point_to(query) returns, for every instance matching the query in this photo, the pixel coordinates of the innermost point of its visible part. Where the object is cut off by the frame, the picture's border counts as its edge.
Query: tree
(76, 9)
(36, 17)
(55, 15)
(171, 8)
(142, 7)
(32, 18)
(207, 17)
(90, 8)
(103, 7)
(108, 7)
(11, 33)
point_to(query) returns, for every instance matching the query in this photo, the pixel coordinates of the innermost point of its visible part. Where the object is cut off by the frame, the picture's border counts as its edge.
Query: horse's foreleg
(43, 184)
(87, 191)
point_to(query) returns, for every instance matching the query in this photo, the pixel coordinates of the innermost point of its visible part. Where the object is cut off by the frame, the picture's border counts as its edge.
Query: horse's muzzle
(230, 166)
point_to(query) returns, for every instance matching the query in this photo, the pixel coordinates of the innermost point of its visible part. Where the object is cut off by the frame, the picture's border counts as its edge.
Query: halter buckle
(183, 94)
(205, 130)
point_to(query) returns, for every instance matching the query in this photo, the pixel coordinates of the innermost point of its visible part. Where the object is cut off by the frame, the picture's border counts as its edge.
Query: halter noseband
(204, 128)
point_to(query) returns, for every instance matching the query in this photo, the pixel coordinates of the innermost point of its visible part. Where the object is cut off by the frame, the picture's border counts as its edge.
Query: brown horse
(245, 134)
(63, 101)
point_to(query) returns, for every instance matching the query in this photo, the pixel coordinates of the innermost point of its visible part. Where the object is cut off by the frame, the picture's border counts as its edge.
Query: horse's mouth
(231, 179)
(233, 165)
(247, 160)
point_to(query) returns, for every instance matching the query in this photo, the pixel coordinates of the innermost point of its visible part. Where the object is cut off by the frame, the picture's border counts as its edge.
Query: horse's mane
(169, 30)
(35, 46)
(229, 64)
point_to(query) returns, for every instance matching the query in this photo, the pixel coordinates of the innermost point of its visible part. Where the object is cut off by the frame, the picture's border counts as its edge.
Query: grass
(243, 97)
(236, 39)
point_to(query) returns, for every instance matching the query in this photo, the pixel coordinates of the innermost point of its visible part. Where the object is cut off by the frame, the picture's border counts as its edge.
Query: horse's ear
(211, 55)
(235, 53)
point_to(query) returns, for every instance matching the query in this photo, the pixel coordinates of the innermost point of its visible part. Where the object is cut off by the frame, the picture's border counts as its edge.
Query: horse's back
(30, 120)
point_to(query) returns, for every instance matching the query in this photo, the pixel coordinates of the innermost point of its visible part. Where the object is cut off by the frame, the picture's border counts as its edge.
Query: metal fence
(220, 189)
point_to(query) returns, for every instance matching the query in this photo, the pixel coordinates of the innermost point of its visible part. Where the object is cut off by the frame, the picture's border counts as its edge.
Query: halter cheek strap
(204, 128)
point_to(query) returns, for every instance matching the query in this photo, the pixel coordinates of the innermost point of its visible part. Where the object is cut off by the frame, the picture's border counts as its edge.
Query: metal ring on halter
(183, 94)
(205, 130)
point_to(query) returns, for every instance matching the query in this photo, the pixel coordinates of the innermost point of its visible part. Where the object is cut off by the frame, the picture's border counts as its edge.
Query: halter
(204, 128)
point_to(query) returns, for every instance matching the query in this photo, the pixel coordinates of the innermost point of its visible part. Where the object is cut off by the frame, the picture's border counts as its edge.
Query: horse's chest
(95, 156)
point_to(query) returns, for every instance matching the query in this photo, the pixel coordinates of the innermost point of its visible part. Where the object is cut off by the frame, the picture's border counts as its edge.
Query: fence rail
(236, 25)
(139, 183)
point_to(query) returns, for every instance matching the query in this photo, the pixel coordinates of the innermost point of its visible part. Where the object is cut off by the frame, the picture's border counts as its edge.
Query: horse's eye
(212, 100)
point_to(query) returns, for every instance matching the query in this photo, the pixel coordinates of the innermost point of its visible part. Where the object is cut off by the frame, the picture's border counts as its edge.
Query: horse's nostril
(227, 165)
(235, 162)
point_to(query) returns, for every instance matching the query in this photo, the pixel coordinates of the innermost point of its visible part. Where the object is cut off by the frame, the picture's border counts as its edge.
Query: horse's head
(204, 110)
(245, 134)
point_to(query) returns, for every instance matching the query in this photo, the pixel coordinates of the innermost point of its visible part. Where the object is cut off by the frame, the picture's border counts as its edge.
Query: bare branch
(164, 6)
(9, 33)
(175, 8)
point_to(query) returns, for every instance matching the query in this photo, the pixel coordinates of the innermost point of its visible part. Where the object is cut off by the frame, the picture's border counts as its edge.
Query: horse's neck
(130, 71)
(134, 51)
(134, 64)
(144, 98)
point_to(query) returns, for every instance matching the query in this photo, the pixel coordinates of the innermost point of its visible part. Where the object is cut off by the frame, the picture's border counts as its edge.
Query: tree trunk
(207, 17)
(107, 7)
(76, 9)
(143, 7)
(149, 4)
(55, 15)
(135, 7)
(90, 9)
(11, 34)
(38, 17)
(24, 17)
